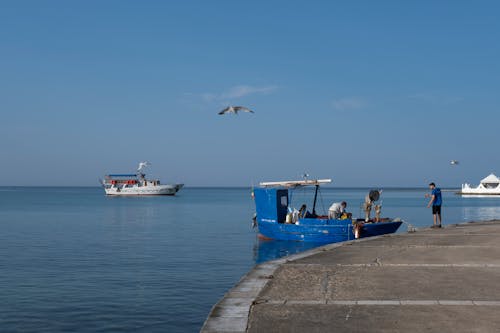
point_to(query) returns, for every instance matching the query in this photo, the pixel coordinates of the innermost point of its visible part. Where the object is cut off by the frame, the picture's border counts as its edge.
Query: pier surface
(433, 280)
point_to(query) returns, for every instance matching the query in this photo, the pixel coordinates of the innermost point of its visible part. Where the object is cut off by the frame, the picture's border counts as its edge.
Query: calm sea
(72, 259)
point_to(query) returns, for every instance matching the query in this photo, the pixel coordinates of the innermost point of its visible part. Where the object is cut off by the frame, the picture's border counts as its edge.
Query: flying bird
(235, 109)
(454, 162)
(142, 165)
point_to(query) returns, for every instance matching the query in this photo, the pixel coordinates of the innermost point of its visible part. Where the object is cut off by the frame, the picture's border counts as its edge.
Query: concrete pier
(433, 280)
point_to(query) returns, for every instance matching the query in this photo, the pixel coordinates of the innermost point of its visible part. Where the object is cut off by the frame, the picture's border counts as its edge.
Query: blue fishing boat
(276, 219)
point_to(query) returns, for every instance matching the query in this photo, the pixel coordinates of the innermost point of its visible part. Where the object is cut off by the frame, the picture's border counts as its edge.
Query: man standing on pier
(435, 202)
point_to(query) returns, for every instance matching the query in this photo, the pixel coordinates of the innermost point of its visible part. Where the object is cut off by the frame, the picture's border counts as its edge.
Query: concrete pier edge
(231, 313)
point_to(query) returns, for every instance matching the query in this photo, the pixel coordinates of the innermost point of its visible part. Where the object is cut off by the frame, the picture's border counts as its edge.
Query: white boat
(488, 186)
(137, 184)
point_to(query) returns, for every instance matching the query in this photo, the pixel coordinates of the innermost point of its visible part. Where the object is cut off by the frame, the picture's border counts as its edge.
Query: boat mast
(315, 197)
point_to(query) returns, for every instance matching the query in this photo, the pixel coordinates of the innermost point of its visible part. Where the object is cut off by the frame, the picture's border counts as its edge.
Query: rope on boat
(409, 226)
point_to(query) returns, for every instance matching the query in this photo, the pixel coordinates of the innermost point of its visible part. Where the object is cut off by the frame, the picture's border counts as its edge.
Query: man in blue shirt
(436, 202)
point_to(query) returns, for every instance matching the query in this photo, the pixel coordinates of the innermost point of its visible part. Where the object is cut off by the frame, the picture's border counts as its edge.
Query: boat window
(284, 200)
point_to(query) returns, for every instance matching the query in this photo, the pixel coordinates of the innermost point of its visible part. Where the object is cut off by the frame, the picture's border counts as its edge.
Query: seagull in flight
(235, 109)
(142, 165)
(454, 162)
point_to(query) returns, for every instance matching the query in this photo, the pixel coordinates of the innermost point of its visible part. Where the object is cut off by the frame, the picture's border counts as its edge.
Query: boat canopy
(296, 183)
(123, 175)
(490, 179)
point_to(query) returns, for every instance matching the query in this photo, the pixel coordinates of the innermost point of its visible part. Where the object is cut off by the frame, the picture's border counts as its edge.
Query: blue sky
(368, 93)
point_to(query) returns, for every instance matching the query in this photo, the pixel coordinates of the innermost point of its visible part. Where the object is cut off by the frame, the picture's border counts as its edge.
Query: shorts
(436, 209)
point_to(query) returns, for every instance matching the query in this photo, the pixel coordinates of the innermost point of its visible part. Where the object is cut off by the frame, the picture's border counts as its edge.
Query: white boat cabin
(488, 185)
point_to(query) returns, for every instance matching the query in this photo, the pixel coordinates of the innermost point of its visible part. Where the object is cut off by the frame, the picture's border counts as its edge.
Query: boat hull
(324, 231)
(488, 186)
(480, 191)
(144, 190)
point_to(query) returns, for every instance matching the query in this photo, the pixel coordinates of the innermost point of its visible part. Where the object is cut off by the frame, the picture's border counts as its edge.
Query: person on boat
(337, 209)
(436, 202)
(303, 211)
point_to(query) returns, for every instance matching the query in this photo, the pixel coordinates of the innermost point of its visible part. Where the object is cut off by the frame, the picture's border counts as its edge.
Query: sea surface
(74, 260)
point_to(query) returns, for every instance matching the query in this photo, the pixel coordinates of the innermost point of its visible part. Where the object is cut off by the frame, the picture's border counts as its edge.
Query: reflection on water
(480, 213)
(265, 250)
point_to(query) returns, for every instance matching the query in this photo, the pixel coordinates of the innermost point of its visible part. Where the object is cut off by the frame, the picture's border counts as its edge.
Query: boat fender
(357, 230)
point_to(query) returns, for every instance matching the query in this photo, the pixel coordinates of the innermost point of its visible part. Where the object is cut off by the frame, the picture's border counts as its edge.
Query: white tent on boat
(490, 180)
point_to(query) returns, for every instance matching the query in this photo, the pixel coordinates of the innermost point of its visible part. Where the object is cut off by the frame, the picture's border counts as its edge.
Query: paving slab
(452, 255)
(353, 283)
(374, 318)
